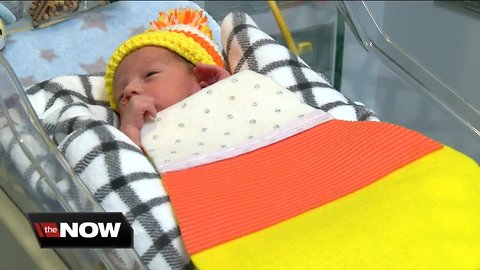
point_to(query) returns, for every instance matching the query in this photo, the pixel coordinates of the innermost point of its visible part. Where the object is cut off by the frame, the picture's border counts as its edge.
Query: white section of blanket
(236, 115)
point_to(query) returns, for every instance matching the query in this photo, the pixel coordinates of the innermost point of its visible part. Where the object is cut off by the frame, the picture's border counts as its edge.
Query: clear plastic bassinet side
(36, 178)
(404, 72)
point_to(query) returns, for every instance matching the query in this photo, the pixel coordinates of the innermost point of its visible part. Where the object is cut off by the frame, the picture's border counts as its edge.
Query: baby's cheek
(196, 86)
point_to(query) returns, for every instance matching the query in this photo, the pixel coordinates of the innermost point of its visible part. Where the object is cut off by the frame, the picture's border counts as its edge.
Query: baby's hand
(209, 74)
(133, 115)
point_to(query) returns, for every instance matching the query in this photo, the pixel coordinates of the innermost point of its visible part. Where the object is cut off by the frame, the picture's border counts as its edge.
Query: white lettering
(83, 232)
(108, 229)
(65, 228)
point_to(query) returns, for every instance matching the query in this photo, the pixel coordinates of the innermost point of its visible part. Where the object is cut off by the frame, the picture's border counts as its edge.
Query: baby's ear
(209, 74)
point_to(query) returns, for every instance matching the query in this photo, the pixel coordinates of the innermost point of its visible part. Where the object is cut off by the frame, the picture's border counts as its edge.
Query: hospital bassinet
(31, 167)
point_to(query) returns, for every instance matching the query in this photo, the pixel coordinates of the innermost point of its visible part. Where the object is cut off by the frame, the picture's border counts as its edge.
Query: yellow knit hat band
(192, 41)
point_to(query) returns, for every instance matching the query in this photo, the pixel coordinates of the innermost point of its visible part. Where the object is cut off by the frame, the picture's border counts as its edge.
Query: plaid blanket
(77, 117)
(74, 111)
(248, 47)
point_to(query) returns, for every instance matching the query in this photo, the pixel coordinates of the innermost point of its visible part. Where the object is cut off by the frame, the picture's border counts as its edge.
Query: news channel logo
(82, 230)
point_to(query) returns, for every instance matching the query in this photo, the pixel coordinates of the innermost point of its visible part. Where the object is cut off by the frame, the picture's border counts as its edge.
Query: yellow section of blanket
(425, 215)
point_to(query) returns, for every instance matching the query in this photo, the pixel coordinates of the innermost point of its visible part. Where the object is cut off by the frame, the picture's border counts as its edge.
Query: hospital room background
(415, 63)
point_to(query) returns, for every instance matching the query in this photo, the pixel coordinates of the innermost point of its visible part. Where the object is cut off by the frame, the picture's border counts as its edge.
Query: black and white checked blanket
(74, 111)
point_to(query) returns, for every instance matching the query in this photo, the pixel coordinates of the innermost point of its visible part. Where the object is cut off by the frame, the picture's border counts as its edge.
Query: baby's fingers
(150, 113)
(139, 109)
(147, 107)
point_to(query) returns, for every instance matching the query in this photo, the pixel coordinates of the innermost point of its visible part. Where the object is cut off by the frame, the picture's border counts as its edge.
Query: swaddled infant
(152, 79)
(169, 86)
(149, 72)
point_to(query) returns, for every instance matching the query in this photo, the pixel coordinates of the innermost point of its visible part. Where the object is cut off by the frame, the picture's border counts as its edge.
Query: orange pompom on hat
(183, 31)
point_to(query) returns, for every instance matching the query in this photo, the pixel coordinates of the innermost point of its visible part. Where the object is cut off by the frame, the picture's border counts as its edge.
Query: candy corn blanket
(336, 195)
(341, 195)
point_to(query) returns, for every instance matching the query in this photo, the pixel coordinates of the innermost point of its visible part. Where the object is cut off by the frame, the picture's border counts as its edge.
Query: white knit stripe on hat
(187, 28)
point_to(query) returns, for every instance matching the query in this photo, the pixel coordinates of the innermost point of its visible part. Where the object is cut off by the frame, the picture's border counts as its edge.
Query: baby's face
(156, 72)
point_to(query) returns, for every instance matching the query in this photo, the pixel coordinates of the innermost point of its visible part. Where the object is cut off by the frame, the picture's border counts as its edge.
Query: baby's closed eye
(151, 73)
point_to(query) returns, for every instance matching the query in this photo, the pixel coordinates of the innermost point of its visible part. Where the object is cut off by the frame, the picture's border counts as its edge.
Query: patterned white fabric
(233, 116)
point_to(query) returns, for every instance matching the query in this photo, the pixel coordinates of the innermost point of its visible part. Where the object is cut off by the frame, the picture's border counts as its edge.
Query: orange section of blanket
(224, 200)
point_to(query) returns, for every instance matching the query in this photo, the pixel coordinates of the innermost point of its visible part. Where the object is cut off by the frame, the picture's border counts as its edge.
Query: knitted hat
(183, 31)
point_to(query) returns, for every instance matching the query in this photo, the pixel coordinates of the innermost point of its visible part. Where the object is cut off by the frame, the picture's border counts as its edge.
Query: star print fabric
(83, 43)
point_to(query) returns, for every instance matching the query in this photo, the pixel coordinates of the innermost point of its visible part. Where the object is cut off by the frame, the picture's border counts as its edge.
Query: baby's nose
(133, 88)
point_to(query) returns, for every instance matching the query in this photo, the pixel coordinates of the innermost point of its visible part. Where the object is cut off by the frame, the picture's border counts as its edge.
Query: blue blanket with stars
(84, 43)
